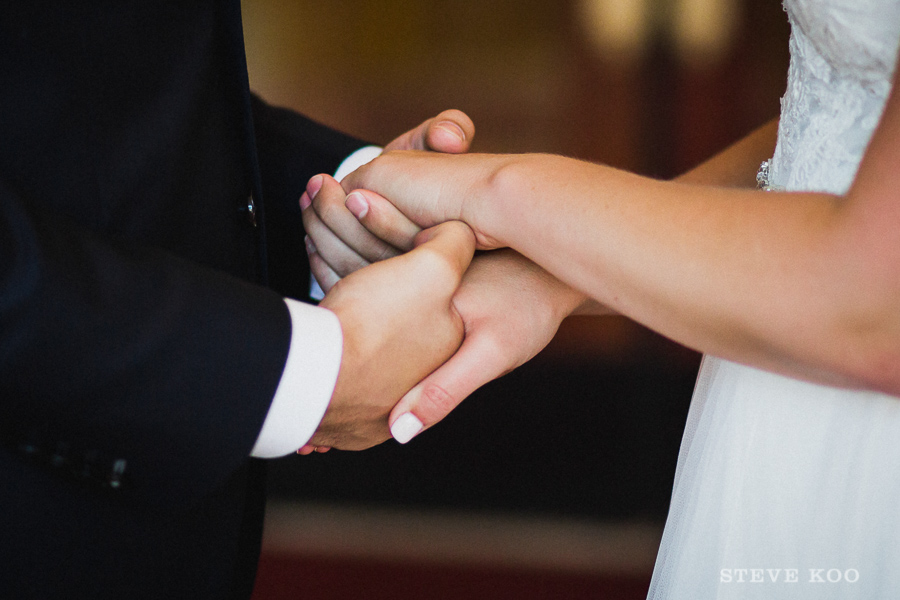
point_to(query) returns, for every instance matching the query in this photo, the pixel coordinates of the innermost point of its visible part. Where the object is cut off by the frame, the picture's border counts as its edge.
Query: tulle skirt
(784, 489)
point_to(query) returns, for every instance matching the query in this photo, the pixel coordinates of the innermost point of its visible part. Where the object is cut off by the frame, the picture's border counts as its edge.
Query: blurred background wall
(591, 427)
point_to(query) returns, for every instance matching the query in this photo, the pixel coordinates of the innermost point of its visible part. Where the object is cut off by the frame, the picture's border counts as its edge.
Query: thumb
(451, 131)
(475, 363)
(446, 249)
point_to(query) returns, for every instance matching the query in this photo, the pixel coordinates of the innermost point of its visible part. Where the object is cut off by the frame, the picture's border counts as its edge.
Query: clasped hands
(424, 321)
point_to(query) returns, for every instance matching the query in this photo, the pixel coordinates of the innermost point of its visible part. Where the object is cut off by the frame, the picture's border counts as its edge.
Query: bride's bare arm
(736, 166)
(806, 284)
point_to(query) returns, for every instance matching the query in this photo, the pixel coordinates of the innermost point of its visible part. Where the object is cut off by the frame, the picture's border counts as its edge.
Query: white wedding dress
(786, 489)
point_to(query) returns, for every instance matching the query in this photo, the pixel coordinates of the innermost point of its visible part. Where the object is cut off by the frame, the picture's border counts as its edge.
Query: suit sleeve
(127, 366)
(291, 149)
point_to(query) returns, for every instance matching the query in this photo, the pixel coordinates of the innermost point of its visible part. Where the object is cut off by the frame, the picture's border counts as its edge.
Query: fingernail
(357, 204)
(314, 185)
(310, 246)
(305, 201)
(406, 427)
(452, 128)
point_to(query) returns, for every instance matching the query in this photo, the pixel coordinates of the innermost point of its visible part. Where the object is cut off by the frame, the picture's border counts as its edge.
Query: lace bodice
(843, 55)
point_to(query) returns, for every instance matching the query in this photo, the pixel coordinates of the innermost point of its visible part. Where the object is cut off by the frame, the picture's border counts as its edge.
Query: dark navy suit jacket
(148, 228)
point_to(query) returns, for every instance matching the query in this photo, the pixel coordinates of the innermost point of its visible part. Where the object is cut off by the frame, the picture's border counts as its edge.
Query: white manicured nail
(406, 427)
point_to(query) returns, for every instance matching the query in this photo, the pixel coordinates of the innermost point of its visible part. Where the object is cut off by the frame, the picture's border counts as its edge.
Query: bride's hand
(431, 188)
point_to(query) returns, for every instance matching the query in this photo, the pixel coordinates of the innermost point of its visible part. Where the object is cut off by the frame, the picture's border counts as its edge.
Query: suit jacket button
(114, 480)
(249, 207)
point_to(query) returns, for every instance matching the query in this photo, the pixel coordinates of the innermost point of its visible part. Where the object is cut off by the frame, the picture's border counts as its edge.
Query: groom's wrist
(307, 382)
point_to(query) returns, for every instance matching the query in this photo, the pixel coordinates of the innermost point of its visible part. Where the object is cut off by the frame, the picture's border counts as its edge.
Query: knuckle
(440, 400)
(437, 264)
(497, 350)
(384, 253)
(326, 206)
(350, 263)
(326, 211)
(454, 114)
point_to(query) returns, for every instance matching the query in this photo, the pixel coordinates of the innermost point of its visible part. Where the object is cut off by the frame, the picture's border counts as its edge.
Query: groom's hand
(398, 325)
(451, 132)
(511, 308)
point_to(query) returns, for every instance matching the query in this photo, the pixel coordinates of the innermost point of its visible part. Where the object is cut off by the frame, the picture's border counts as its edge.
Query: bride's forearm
(736, 166)
(762, 278)
(801, 283)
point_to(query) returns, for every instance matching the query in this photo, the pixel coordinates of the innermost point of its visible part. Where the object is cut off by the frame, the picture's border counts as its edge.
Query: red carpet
(291, 577)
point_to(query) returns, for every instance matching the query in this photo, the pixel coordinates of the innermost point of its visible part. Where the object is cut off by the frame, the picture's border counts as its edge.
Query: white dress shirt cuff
(356, 160)
(306, 386)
